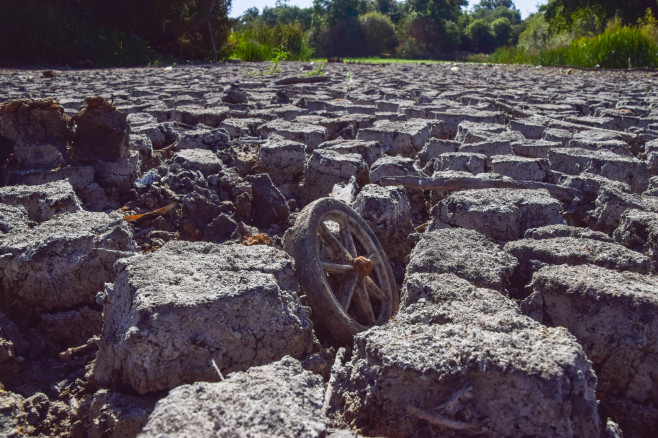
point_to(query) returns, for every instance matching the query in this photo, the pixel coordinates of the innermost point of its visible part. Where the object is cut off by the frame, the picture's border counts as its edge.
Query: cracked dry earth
(142, 252)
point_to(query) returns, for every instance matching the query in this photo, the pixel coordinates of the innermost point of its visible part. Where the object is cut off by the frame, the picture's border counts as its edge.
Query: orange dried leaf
(159, 211)
(256, 239)
(134, 217)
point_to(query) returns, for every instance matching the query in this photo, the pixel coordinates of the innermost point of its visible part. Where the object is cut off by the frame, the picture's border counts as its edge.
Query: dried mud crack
(150, 260)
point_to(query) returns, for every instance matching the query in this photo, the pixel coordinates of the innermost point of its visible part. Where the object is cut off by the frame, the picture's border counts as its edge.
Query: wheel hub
(362, 266)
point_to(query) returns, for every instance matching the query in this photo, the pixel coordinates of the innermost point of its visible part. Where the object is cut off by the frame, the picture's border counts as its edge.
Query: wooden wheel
(342, 269)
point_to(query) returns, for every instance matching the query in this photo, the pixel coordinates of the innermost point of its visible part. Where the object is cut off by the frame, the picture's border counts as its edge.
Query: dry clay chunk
(387, 212)
(466, 253)
(114, 414)
(33, 416)
(280, 399)
(610, 165)
(639, 231)
(102, 132)
(398, 138)
(39, 129)
(501, 214)
(44, 201)
(63, 262)
(310, 135)
(551, 231)
(463, 361)
(611, 203)
(577, 251)
(12, 218)
(614, 315)
(326, 168)
(173, 311)
(282, 159)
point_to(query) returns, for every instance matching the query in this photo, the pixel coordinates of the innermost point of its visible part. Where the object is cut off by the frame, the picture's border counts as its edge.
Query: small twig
(214, 365)
(329, 392)
(444, 422)
(66, 354)
(115, 252)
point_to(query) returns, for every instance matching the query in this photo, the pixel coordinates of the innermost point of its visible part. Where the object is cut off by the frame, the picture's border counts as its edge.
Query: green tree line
(133, 32)
(411, 29)
(117, 32)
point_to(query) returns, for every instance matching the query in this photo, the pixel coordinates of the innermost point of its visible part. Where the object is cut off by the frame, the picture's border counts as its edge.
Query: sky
(238, 7)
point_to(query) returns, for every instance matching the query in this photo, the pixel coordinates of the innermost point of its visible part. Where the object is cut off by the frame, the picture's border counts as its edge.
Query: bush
(378, 32)
(408, 49)
(502, 31)
(258, 42)
(513, 55)
(617, 47)
(343, 39)
(480, 34)
(535, 35)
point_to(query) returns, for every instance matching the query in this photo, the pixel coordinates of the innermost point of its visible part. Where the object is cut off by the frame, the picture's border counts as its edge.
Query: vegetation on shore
(84, 33)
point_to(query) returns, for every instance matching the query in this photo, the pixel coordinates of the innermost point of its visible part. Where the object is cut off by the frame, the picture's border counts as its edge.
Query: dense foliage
(119, 32)
(128, 32)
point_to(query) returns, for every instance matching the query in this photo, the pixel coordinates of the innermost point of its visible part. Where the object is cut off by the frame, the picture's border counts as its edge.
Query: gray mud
(145, 289)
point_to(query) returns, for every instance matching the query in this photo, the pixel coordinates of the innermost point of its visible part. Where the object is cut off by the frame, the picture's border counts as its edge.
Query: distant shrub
(378, 32)
(344, 38)
(480, 34)
(513, 55)
(259, 42)
(408, 49)
(502, 31)
(617, 47)
(535, 36)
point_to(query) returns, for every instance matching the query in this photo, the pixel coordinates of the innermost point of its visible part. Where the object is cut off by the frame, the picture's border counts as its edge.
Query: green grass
(260, 42)
(377, 60)
(617, 47)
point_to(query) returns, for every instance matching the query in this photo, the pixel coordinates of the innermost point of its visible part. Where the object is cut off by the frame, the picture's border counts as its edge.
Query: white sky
(238, 7)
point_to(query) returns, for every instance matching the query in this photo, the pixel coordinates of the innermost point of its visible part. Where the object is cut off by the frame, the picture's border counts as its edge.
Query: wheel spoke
(334, 246)
(373, 289)
(337, 268)
(348, 291)
(346, 233)
(362, 304)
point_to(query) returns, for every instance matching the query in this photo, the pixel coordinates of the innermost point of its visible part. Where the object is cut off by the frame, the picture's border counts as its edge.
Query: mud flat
(150, 284)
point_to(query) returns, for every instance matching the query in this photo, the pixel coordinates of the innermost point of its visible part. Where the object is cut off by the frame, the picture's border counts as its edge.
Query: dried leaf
(158, 212)
(256, 239)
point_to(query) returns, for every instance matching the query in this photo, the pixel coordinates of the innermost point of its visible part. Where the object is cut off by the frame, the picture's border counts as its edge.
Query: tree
(493, 4)
(438, 10)
(250, 14)
(287, 15)
(535, 35)
(434, 24)
(561, 14)
(390, 8)
(480, 34)
(502, 31)
(379, 33)
(183, 28)
(74, 30)
(490, 15)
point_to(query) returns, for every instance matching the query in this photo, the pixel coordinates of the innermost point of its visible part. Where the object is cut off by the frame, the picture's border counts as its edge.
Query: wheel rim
(353, 269)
